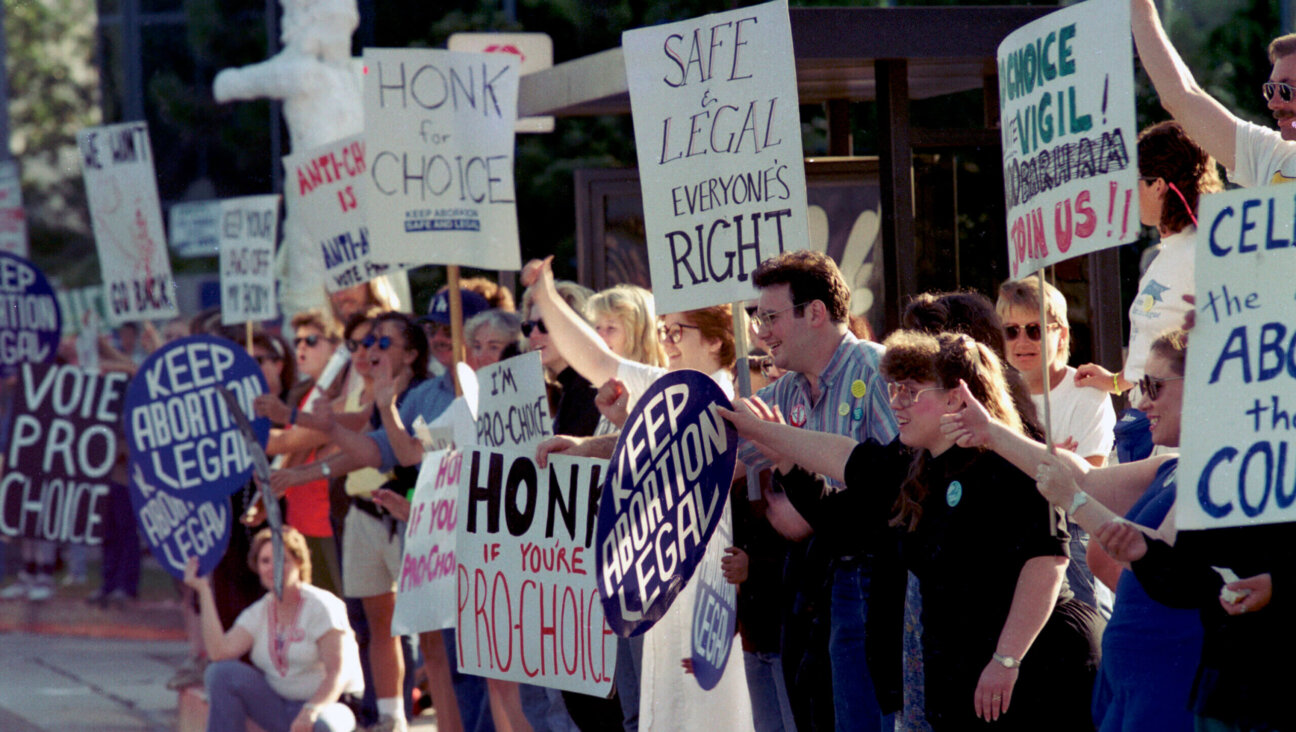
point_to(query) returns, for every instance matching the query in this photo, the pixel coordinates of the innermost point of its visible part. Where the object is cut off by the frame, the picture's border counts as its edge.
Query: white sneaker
(388, 723)
(40, 592)
(18, 590)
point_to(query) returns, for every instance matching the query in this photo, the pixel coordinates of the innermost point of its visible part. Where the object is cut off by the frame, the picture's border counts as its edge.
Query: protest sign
(512, 404)
(325, 191)
(718, 132)
(117, 165)
(527, 608)
(715, 609)
(178, 528)
(194, 229)
(249, 229)
(179, 430)
(425, 598)
(80, 307)
(1238, 404)
(665, 490)
(13, 218)
(62, 446)
(439, 136)
(1066, 98)
(30, 323)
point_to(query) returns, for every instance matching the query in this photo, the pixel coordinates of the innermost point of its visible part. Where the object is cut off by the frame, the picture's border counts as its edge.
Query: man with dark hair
(1253, 155)
(834, 384)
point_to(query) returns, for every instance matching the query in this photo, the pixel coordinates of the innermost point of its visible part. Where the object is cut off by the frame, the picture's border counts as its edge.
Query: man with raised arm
(1253, 155)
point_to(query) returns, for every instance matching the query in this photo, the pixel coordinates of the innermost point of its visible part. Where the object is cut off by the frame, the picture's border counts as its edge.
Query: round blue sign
(178, 428)
(663, 497)
(30, 323)
(178, 528)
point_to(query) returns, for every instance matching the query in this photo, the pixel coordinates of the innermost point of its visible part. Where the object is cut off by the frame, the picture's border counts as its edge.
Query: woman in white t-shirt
(1173, 175)
(301, 645)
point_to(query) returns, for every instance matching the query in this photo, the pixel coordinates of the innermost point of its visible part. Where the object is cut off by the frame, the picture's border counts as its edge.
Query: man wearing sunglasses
(1254, 155)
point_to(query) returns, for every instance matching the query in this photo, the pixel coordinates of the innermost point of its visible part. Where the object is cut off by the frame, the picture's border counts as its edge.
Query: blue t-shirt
(429, 398)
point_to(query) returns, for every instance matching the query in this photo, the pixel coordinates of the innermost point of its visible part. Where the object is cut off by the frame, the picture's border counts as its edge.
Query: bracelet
(1077, 501)
(1116, 384)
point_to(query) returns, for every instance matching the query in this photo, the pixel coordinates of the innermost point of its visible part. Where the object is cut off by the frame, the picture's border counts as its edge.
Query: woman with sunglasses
(1174, 172)
(697, 339)
(1004, 644)
(1149, 649)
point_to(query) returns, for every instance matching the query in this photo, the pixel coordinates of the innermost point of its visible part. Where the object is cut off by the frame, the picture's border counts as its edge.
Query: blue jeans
(771, 710)
(545, 710)
(470, 691)
(855, 704)
(237, 691)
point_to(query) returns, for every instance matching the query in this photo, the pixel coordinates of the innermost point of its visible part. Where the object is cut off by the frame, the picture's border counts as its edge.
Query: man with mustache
(1254, 155)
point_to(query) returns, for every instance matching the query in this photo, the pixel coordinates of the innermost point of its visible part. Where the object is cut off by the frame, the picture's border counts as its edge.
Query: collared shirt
(852, 401)
(429, 398)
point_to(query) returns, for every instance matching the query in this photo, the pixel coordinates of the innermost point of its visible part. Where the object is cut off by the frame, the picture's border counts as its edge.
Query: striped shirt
(853, 400)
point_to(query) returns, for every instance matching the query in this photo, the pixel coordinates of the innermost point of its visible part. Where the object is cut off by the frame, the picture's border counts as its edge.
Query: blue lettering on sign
(30, 323)
(179, 430)
(715, 610)
(663, 498)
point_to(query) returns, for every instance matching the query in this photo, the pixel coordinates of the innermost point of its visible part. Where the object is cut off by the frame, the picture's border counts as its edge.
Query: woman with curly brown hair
(1004, 642)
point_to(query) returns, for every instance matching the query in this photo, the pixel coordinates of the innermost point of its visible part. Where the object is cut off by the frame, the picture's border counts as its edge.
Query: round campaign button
(843, 409)
(954, 493)
(800, 415)
(858, 389)
(858, 414)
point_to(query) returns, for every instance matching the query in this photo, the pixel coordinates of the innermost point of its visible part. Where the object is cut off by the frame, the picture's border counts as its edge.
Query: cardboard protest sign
(439, 136)
(13, 218)
(665, 491)
(30, 323)
(425, 598)
(1234, 467)
(62, 446)
(528, 609)
(325, 191)
(82, 306)
(194, 229)
(715, 609)
(179, 430)
(117, 165)
(718, 133)
(178, 528)
(1066, 98)
(249, 230)
(512, 404)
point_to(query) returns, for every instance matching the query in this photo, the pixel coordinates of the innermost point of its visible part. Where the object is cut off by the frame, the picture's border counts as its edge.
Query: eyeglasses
(1032, 331)
(903, 395)
(766, 366)
(311, 340)
(1284, 90)
(761, 321)
(673, 333)
(1151, 385)
(530, 325)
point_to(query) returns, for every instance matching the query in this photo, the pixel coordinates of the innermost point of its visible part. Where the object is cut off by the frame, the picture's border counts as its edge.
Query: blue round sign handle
(665, 491)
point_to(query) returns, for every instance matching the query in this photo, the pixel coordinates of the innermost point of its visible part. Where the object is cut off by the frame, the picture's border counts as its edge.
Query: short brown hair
(1025, 293)
(1166, 151)
(1172, 345)
(809, 276)
(1282, 46)
(715, 324)
(497, 297)
(294, 545)
(315, 318)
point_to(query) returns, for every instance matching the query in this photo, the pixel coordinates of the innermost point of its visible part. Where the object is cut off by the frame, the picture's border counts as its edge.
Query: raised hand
(1095, 377)
(271, 407)
(191, 578)
(536, 269)
(970, 425)
(613, 400)
(734, 565)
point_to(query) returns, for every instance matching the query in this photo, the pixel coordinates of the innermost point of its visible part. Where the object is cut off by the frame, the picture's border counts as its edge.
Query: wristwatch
(1005, 661)
(1078, 500)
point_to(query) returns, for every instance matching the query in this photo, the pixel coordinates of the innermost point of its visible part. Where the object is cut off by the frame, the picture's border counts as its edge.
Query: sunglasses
(1032, 330)
(1284, 90)
(1151, 385)
(311, 340)
(673, 333)
(530, 325)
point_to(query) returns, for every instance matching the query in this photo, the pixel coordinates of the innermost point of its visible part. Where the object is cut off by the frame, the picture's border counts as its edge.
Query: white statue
(321, 86)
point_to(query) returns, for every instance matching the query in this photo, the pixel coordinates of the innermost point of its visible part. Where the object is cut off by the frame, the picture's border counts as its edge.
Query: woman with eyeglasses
(1174, 172)
(1149, 649)
(1005, 646)
(696, 339)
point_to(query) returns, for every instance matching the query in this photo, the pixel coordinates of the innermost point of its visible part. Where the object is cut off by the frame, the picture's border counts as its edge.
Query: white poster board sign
(248, 232)
(117, 166)
(195, 229)
(13, 219)
(325, 190)
(512, 404)
(425, 597)
(439, 140)
(718, 134)
(528, 607)
(1238, 397)
(1066, 101)
(534, 52)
